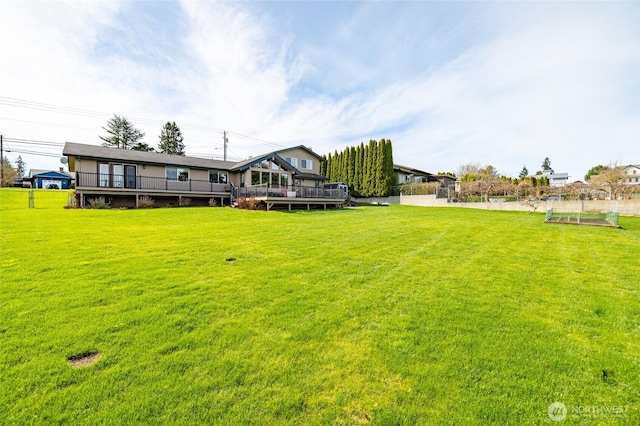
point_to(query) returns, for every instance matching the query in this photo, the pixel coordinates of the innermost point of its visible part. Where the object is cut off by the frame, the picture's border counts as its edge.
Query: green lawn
(380, 315)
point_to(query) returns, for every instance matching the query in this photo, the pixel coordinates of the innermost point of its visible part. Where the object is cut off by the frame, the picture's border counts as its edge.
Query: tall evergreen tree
(171, 140)
(323, 166)
(373, 162)
(344, 167)
(142, 146)
(351, 168)
(21, 166)
(121, 133)
(366, 169)
(546, 165)
(334, 167)
(524, 172)
(381, 180)
(366, 175)
(389, 175)
(357, 171)
(362, 167)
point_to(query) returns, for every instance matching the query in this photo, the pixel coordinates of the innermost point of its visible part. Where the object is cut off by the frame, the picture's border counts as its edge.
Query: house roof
(309, 150)
(410, 170)
(48, 173)
(244, 165)
(142, 157)
(553, 175)
(127, 155)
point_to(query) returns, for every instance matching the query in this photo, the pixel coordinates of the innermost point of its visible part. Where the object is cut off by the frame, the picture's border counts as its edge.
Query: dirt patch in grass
(84, 359)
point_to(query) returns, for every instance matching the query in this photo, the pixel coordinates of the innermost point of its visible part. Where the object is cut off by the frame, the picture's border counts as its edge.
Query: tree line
(122, 134)
(367, 168)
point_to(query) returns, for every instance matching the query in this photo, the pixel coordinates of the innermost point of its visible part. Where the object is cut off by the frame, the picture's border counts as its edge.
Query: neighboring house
(410, 175)
(555, 179)
(287, 177)
(49, 179)
(446, 181)
(632, 174)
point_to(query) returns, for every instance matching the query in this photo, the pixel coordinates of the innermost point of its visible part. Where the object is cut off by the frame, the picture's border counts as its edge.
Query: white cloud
(508, 84)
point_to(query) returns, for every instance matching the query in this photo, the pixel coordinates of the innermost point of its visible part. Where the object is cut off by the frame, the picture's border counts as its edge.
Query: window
(307, 164)
(264, 164)
(274, 166)
(104, 175)
(255, 177)
(284, 180)
(111, 175)
(118, 176)
(264, 178)
(216, 176)
(275, 179)
(292, 160)
(177, 173)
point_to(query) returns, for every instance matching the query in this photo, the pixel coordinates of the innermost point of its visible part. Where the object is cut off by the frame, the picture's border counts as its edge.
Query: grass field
(380, 315)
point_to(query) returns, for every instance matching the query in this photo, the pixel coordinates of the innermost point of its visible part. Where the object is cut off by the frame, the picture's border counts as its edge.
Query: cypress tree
(323, 166)
(365, 171)
(373, 161)
(357, 171)
(379, 180)
(334, 167)
(388, 165)
(352, 167)
(362, 167)
(344, 167)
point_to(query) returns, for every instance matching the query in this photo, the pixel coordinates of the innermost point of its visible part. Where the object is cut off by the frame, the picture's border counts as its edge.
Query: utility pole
(1, 162)
(226, 141)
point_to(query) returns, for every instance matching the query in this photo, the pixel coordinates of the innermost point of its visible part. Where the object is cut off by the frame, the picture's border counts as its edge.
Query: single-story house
(406, 174)
(284, 178)
(555, 179)
(49, 179)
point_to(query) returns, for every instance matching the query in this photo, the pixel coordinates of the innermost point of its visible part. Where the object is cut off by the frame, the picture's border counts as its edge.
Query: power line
(22, 151)
(41, 106)
(46, 124)
(21, 103)
(34, 142)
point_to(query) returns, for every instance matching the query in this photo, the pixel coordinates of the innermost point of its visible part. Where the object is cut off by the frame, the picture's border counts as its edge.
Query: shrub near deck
(394, 315)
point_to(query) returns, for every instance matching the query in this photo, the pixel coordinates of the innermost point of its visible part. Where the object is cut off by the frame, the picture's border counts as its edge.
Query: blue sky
(500, 83)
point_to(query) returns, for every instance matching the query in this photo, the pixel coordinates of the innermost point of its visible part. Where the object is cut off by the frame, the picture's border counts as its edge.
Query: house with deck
(288, 178)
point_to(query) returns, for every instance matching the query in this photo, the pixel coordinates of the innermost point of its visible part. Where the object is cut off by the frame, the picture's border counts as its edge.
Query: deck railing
(112, 181)
(264, 191)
